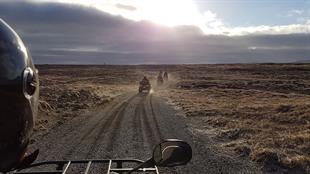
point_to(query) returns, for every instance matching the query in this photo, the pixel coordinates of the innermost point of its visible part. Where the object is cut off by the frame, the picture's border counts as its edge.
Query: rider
(18, 100)
(145, 81)
(160, 79)
(166, 75)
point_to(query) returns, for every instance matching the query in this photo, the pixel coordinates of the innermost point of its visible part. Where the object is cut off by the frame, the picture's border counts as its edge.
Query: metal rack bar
(40, 172)
(119, 166)
(129, 169)
(88, 167)
(109, 168)
(67, 167)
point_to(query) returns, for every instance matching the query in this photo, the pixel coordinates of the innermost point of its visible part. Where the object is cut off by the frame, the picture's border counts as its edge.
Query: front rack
(62, 167)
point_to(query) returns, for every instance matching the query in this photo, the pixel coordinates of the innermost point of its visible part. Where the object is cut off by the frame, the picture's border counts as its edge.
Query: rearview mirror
(172, 153)
(169, 153)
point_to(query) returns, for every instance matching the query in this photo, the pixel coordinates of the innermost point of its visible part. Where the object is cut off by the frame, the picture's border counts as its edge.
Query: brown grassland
(256, 110)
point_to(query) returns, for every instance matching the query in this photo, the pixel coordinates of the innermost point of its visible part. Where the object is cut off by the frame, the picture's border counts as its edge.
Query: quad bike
(169, 153)
(160, 80)
(165, 76)
(144, 87)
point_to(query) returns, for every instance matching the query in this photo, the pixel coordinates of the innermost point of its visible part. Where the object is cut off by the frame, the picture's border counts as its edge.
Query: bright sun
(168, 12)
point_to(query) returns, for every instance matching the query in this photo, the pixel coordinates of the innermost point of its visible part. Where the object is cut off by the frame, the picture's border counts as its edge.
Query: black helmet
(19, 91)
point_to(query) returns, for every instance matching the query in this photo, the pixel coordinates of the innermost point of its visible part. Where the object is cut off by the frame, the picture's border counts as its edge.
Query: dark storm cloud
(62, 33)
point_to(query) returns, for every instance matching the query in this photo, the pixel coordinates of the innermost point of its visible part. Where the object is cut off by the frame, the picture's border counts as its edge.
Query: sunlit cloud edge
(208, 22)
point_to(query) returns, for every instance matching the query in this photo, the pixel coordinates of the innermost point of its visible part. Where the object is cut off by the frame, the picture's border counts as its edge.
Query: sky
(255, 13)
(161, 31)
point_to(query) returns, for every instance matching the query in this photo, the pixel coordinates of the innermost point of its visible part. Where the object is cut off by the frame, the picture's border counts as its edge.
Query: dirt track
(129, 127)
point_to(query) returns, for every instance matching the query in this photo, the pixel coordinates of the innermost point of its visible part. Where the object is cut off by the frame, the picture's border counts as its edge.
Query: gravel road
(129, 127)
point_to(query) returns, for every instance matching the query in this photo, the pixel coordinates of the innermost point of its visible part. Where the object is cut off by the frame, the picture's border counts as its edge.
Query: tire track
(114, 121)
(144, 123)
(102, 118)
(138, 136)
(154, 118)
(86, 135)
(146, 130)
(115, 127)
(159, 134)
(61, 144)
(153, 137)
(103, 123)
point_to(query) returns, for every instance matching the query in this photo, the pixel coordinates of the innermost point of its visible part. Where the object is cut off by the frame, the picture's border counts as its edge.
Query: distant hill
(302, 61)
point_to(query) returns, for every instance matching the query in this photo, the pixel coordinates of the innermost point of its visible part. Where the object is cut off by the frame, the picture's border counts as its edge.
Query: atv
(165, 76)
(144, 87)
(169, 153)
(160, 80)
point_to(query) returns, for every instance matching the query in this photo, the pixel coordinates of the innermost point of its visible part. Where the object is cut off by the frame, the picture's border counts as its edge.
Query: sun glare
(171, 13)
(165, 12)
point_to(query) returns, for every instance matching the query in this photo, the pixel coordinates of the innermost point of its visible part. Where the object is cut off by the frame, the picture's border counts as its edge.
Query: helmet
(19, 91)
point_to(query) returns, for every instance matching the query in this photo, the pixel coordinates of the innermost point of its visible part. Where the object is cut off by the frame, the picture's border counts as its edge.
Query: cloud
(271, 30)
(301, 16)
(66, 33)
(208, 22)
(295, 12)
(215, 25)
(126, 7)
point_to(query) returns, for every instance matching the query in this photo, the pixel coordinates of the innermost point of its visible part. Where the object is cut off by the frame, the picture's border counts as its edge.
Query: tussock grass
(262, 111)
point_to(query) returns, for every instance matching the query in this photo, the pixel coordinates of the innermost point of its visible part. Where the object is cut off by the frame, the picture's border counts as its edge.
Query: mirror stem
(148, 163)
